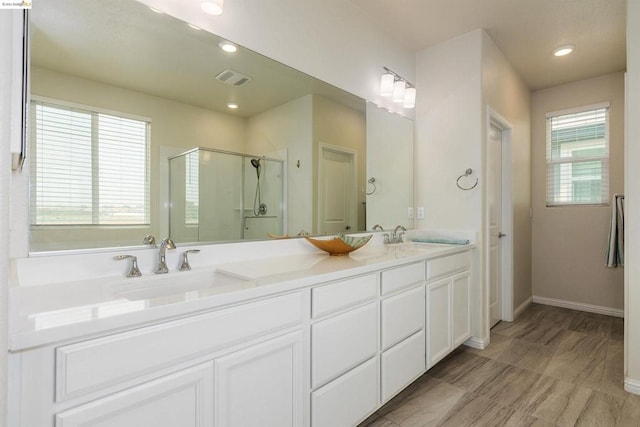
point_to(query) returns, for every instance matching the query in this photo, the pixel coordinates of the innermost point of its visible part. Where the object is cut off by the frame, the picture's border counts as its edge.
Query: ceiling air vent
(234, 78)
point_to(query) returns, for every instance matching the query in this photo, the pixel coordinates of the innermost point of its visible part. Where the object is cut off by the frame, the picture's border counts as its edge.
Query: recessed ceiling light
(228, 46)
(194, 27)
(232, 105)
(156, 10)
(564, 50)
(212, 7)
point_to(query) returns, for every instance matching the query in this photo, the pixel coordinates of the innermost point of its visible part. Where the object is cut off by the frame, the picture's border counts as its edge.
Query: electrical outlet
(409, 213)
(420, 212)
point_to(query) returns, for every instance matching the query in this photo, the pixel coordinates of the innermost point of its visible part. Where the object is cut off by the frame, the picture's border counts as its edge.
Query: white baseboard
(632, 386)
(522, 307)
(609, 311)
(477, 343)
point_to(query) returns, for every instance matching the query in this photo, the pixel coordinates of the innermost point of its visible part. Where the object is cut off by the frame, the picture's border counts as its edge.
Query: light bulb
(409, 98)
(386, 84)
(228, 47)
(232, 105)
(212, 7)
(564, 50)
(398, 91)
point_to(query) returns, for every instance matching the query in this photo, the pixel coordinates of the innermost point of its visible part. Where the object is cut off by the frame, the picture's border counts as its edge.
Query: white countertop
(58, 312)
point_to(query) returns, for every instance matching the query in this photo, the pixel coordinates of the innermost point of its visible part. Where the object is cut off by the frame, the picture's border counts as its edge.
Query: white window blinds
(578, 156)
(88, 167)
(192, 191)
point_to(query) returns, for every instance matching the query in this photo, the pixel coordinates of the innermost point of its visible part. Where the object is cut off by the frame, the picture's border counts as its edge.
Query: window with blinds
(192, 191)
(88, 167)
(578, 156)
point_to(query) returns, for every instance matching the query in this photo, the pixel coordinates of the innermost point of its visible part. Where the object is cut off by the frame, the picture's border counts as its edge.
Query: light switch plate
(421, 212)
(410, 213)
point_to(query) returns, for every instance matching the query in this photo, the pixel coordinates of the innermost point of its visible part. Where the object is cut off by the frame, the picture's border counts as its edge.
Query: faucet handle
(185, 259)
(134, 271)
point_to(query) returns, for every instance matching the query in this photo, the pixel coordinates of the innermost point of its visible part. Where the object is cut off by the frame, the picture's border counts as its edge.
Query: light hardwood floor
(550, 367)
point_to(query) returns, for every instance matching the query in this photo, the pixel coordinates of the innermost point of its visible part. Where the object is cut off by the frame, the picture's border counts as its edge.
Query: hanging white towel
(615, 251)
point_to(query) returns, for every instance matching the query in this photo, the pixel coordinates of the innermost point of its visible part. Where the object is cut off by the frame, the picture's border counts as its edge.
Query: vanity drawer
(347, 400)
(402, 277)
(402, 364)
(448, 264)
(342, 342)
(91, 365)
(343, 294)
(401, 316)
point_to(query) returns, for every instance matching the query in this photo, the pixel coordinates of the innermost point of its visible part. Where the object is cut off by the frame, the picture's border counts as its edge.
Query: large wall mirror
(133, 133)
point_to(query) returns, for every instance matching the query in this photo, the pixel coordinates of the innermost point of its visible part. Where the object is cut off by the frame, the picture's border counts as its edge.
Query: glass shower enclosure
(224, 196)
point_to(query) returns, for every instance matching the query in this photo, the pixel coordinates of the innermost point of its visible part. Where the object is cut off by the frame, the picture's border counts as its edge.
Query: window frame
(94, 111)
(605, 158)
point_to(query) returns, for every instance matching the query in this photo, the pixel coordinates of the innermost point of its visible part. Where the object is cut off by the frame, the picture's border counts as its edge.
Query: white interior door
(495, 223)
(337, 203)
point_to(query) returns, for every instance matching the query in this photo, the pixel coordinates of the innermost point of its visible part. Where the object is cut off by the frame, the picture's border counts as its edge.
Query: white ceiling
(526, 31)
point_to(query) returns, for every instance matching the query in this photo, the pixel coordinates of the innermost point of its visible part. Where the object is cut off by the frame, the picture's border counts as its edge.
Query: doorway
(499, 242)
(337, 190)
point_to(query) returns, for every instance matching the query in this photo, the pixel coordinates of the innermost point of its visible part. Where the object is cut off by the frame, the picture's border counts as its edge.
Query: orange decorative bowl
(340, 246)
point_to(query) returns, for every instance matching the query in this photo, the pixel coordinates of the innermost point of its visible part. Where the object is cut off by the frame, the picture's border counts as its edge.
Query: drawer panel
(402, 316)
(343, 294)
(449, 264)
(342, 342)
(402, 364)
(91, 365)
(402, 277)
(347, 400)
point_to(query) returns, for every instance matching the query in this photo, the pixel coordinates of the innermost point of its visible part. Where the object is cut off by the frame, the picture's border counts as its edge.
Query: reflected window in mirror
(88, 167)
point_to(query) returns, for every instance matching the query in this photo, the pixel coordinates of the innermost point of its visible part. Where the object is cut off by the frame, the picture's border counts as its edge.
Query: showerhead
(256, 164)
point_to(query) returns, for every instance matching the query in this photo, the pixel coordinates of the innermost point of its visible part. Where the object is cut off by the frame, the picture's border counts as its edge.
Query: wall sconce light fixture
(398, 88)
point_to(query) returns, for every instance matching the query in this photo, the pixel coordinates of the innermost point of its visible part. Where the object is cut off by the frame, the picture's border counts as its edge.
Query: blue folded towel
(441, 241)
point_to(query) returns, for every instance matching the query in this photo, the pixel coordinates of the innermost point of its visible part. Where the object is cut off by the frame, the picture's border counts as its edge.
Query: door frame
(353, 188)
(506, 250)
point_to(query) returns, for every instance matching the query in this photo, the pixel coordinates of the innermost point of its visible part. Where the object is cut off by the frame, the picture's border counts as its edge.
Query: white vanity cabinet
(212, 369)
(448, 304)
(309, 353)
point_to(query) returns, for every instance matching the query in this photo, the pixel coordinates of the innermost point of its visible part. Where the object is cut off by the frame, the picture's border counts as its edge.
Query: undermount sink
(174, 283)
(261, 268)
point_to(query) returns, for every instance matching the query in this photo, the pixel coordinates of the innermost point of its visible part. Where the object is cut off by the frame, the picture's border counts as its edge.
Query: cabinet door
(461, 288)
(438, 321)
(261, 385)
(182, 399)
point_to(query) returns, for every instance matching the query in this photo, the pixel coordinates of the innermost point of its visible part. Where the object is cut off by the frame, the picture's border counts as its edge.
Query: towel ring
(371, 181)
(466, 174)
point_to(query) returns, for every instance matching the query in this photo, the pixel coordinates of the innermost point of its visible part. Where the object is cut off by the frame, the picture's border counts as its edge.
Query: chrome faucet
(162, 264)
(398, 233)
(377, 227)
(396, 236)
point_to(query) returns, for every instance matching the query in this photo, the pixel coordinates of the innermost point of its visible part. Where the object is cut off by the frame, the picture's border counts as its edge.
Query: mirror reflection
(224, 196)
(99, 69)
